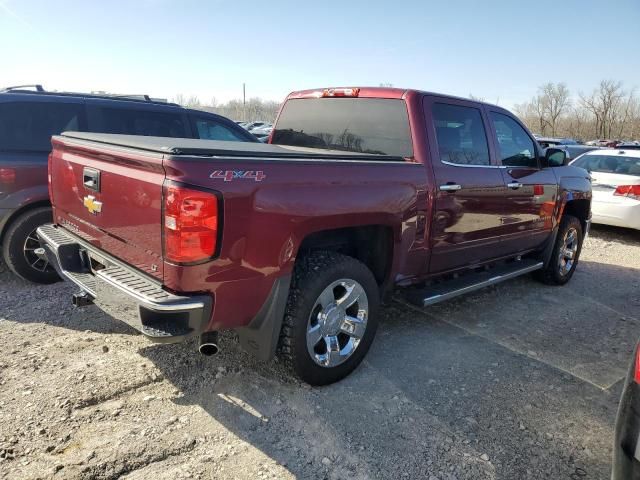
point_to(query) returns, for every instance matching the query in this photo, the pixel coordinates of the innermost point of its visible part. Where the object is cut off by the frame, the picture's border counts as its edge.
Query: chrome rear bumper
(122, 291)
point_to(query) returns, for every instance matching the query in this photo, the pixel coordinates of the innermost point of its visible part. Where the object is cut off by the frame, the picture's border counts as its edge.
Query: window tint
(460, 134)
(363, 125)
(137, 122)
(28, 127)
(209, 129)
(609, 164)
(516, 148)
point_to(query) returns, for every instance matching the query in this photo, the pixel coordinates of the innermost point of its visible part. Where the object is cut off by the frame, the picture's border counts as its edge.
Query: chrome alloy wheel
(32, 253)
(568, 251)
(337, 322)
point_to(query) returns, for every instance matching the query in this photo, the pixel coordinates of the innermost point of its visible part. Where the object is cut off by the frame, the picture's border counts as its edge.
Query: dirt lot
(517, 381)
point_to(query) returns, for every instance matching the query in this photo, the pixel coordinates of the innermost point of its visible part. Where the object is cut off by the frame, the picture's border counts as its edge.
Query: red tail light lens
(7, 175)
(636, 370)
(190, 224)
(632, 191)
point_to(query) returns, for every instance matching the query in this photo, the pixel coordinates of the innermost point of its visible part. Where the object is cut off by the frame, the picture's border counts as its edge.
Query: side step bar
(470, 282)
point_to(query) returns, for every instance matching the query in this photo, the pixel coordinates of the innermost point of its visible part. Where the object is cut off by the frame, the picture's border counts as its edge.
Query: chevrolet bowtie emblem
(94, 206)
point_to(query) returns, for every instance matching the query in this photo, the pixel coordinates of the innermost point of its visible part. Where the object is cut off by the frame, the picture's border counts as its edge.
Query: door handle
(91, 178)
(450, 187)
(514, 185)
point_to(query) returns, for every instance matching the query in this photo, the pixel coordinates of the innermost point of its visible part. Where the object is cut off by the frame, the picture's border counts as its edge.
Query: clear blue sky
(501, 50)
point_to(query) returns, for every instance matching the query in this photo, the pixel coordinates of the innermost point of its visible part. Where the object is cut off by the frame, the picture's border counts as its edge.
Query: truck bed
(217, 148)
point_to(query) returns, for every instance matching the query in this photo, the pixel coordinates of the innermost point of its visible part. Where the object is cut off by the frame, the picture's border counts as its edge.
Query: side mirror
(556, 157)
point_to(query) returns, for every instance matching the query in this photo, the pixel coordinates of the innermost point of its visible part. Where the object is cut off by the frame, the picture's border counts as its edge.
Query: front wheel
(566, 252)
(331, 317)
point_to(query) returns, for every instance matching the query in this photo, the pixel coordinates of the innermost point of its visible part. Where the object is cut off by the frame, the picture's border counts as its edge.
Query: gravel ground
(517, 381)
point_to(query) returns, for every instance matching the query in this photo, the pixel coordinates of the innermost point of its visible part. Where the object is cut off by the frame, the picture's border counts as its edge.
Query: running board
(470, 282)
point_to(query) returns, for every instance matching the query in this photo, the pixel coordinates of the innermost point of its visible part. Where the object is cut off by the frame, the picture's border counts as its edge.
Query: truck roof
(211, 148)
(379, 92)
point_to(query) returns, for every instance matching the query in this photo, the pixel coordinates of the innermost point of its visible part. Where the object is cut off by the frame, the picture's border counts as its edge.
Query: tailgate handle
(91, 178)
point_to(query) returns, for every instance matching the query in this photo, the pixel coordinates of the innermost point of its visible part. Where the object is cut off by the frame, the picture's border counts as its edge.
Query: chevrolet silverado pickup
(361, 192)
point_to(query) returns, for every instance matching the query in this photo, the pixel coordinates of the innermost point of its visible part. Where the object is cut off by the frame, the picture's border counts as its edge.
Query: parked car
(626, 445)
(28, 119)
(262, 131)
(574, 151)
(293, 245)
(552, 142)
(616, 186)
(250, 126)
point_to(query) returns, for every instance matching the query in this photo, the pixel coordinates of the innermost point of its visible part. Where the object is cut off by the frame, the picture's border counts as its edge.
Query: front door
(467, 218)
(531, 194)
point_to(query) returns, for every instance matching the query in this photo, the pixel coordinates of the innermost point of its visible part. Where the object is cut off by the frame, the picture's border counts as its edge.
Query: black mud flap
(260, 337)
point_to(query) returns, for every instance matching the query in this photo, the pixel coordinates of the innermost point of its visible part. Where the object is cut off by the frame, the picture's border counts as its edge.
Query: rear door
(467, 219)
(531, 189)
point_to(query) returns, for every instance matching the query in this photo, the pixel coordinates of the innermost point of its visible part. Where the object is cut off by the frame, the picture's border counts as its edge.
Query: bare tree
(554, 100)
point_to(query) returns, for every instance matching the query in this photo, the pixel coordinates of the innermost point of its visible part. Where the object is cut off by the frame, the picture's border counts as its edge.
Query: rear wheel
(20, 247)
(566, 252)
(331, 317)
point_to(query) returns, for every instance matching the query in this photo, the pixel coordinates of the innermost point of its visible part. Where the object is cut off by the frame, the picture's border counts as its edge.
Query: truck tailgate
(112, 198)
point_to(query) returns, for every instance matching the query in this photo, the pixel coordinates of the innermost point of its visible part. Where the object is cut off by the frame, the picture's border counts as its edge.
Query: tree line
(252, 110)
(610, 111)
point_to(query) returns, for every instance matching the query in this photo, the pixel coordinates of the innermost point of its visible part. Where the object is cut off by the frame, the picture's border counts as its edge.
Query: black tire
(553, 273)
(312, 275)
(15, 240)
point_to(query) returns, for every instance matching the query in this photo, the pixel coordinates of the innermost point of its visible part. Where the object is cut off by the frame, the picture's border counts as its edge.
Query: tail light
(7, 175)
(341, 92)
(636, 369)
(49, 165)
(631, 191)
(191, 221)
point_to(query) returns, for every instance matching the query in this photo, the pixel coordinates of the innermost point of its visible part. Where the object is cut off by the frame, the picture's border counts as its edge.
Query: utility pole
(244, 103)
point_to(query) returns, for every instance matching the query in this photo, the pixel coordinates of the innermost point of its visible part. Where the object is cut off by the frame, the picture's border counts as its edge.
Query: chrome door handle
(514, 185)
(450, 187)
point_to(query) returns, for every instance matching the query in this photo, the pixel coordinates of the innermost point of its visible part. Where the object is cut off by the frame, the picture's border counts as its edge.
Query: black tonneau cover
(218, 148)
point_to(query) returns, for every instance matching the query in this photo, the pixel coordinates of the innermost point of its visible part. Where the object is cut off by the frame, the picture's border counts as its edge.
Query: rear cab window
(28, 126)
(129, 120)
(360, 125)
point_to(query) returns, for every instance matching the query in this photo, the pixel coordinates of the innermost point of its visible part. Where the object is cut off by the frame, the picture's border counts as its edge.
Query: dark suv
(28, 119)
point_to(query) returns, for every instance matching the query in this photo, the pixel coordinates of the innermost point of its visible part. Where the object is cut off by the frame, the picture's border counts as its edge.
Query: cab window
(515, 147)
(461, 136)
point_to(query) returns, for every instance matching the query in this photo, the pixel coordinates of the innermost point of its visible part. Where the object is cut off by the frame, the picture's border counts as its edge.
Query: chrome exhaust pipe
(209, 343)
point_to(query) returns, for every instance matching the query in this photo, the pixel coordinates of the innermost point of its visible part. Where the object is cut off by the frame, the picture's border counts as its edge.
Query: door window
(137, 122)
(461, 136)
(208, 129)
(28, 126)
(515, 147)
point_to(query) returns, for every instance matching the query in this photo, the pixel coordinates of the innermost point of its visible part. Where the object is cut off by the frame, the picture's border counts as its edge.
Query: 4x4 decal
(230, 175)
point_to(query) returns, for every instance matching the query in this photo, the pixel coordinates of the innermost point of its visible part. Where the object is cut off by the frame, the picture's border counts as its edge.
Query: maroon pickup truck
(293, 245)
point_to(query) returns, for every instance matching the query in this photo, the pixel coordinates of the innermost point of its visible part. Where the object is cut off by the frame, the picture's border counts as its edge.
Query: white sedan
(615, 176)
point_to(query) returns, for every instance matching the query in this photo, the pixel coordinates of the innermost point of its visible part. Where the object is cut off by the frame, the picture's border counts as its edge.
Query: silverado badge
(94, 206)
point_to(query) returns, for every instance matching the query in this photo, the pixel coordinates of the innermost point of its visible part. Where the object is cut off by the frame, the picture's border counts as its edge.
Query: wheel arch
(4, 226)
(371, 244)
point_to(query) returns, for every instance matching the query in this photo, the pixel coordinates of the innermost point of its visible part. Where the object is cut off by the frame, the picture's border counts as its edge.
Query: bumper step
(470, 282)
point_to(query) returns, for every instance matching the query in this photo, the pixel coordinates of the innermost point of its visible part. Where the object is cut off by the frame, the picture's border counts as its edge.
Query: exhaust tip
(208, 349)
(209, 344)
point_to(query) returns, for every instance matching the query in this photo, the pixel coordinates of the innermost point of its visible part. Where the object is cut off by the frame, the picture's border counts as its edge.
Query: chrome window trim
(471, 166)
